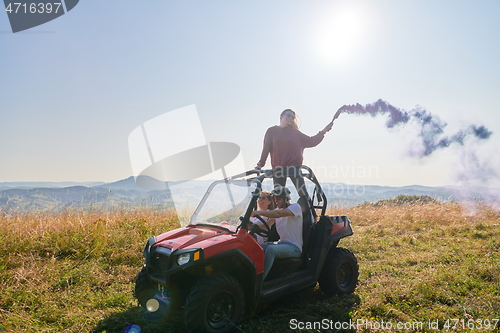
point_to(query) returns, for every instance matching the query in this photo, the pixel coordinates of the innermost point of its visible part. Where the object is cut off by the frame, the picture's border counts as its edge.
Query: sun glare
(340, 34)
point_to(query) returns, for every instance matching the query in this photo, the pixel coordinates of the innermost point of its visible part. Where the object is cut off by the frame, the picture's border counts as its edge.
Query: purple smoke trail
(396, 115)
(473, 172)
(430, 127)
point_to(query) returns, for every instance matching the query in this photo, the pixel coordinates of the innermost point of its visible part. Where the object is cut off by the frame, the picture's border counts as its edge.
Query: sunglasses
(289, 115)
(262, 198)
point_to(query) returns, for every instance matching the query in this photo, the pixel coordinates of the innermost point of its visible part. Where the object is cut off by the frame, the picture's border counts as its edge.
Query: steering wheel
(259, 231)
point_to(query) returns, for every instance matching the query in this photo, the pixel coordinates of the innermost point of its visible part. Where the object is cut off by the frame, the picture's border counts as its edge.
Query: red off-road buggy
(213, 267)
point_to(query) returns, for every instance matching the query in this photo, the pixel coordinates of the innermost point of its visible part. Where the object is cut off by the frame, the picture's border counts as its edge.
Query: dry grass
(73, 272)
(68, 271)
(427, 262)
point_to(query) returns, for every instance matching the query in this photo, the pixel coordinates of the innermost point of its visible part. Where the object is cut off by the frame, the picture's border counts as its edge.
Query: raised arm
(313, 141)
(273, 213)
(327, 127)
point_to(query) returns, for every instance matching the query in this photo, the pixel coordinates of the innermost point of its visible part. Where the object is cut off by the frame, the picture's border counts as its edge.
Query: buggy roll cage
(296, 170)
(260, 175)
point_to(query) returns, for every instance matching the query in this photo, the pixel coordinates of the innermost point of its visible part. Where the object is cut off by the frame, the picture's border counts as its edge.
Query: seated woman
(288, 224)
(265, 202)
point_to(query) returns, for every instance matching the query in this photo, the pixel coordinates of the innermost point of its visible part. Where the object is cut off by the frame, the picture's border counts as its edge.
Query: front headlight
(183, 259)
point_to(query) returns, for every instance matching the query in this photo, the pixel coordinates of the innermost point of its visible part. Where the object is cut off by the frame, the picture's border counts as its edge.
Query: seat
(273, 234)
(307, 221)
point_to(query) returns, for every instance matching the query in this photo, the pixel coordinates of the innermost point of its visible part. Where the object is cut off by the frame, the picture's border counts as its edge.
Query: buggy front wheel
(215, 305)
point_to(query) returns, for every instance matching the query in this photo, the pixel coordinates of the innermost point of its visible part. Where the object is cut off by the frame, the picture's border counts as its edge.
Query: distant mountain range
(25, 185)
(41, 196)
(51, 196)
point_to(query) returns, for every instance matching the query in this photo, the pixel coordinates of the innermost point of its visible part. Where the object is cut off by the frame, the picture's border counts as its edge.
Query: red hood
(189, 237)
(213, 241)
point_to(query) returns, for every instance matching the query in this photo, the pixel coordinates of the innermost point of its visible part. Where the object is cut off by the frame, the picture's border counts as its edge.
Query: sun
(340, 34)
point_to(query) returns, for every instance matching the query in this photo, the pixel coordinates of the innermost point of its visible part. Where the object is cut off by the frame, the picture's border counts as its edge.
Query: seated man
(289, 226)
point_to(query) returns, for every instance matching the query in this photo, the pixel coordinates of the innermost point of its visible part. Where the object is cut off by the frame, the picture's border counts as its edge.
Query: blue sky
(73, 89)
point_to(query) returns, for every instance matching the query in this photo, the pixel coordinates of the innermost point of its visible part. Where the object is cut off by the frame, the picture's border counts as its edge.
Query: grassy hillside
(420, 265)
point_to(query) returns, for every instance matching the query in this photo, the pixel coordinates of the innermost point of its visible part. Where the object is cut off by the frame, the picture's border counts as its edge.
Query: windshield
(224, 203)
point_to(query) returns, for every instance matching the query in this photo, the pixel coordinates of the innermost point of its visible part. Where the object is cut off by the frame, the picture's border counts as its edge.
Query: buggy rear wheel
(340, 272)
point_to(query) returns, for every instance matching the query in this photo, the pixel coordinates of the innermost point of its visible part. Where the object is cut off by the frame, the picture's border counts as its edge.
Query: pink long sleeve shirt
(286, 146)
